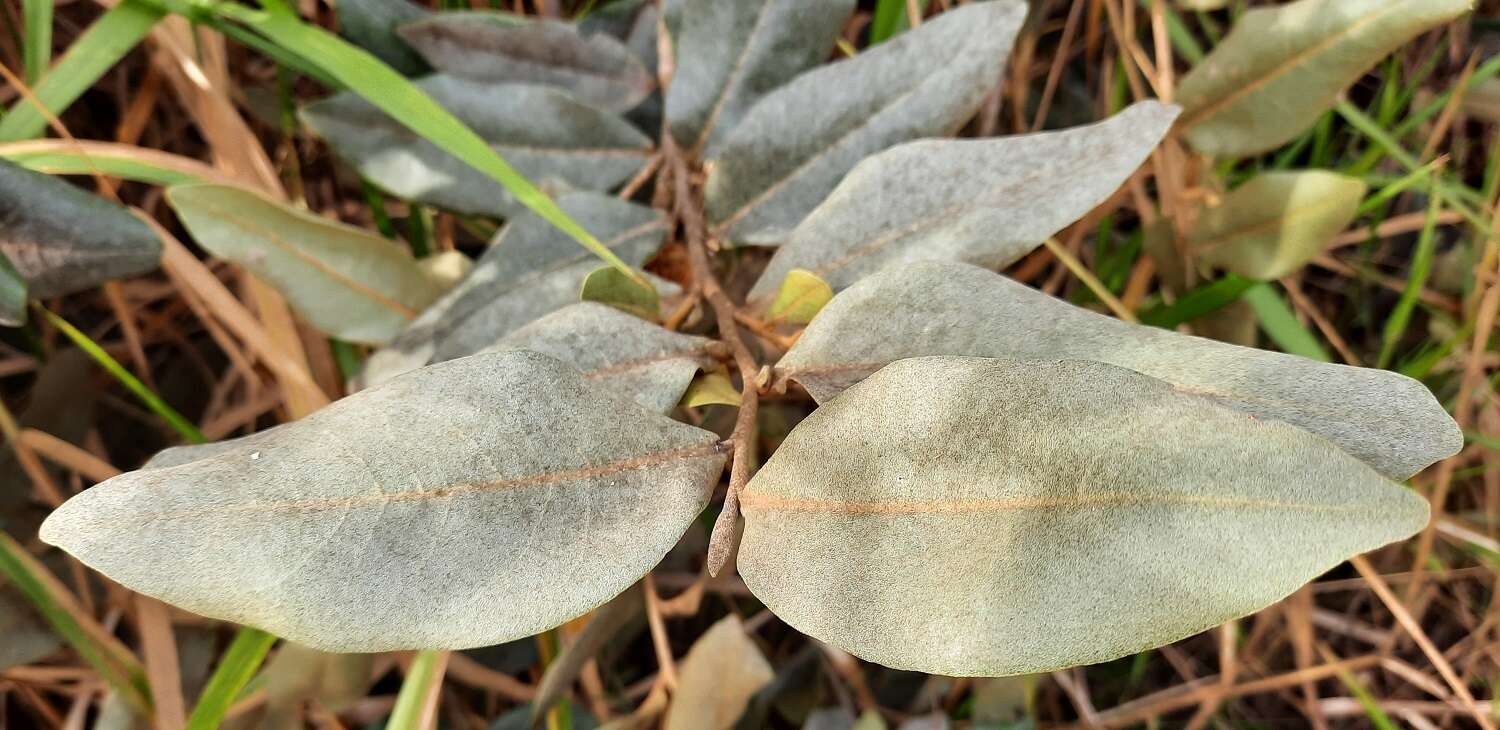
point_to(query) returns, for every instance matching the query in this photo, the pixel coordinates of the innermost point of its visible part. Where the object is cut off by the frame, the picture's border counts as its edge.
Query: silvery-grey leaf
(62, 239)
(27, 636)
(530, 269)
(371, 25)
(347, 282)
(12, 294)
(472, 502)
(179, 455)
(796, 143)
(546, 135)
(1389, 421)
(733, 52)
(984, 517)
(984, 201)
(620, 353)
(498, 47)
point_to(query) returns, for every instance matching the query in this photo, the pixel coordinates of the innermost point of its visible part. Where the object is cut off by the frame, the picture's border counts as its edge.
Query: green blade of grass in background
(426, 671)
(1280, 324)
(235, 669)
(890, 18)
(37, 42)
(1421, 266)
(63, 162)
(100, 47)
(116, 666)
(390, 92)
(158, 406)
(1206, 299)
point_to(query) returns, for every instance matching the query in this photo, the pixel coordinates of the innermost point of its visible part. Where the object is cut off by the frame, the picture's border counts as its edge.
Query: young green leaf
(1389, 421)
(422, 513)
(711, 389)
(796, 143)
(529, 270)
(740, 50)
(717, 678)
(618, 352)
(801, 297)
(547, 135)
(1280, 67)
(348, 283)
(61, 239)
(607, 285)
(1275, 223)
(496, 47)
(987, 201)
(1024, 516)
(371, 25)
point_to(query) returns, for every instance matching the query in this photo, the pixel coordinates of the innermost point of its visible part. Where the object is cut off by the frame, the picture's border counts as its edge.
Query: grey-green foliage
(1274, 223)
(1385, 419)
(796, 143)
(1023, 516)
(27, 636)
(1280, 67)
(736, 51)
(530, 269)
(371, 24)
(12, 294)
(547, 135)
(62, 239)
(427, 512)
(985, 201)
(345, 281)
(504, 48)
(620, 353)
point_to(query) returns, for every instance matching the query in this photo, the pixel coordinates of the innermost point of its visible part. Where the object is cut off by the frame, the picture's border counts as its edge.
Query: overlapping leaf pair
(995, 481)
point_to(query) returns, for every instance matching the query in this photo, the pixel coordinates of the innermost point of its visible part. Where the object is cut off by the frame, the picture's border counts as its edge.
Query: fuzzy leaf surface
(987, 517)
(425, 513)
(1385, 419)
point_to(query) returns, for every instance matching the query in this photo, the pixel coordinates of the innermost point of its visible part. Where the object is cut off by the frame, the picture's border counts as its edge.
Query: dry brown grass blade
(159, 647)
(67, 455)
(1409, 624)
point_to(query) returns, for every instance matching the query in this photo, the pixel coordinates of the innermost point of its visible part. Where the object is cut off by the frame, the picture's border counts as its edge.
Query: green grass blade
(1281, 324)
(1421, 266)
(116, 666)
(1181, 38)
(890, 18)
(113, 366)
(95, 52)
(426, 672)
(236, 668)
(390, 92)
(1206, 299)
(37, 42)
(62, 162)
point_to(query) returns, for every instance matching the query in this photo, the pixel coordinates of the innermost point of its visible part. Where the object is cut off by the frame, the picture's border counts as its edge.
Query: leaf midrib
(751, 500)
(1203, 113)
(381, 499)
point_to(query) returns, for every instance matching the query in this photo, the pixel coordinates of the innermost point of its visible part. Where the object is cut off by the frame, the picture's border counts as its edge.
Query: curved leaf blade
(61, 239)
(1280, 67)
(1387, 420)
(528, 271)
(503, 48)
(763, 178)
(546, 135)
(342, 534)
(741, 50)
(618, 352)
(985, 201)
(1022, 517)
(348, 283)
(1275, 223)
